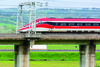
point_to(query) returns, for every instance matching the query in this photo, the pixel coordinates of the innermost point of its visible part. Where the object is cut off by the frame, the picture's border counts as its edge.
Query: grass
(97, 63)
(6, 46)
(48, 56)
(71, 47)
(43, 63)
(48, 47)
(54, 64)
(67, 56)
(97, 47)
(47, 63)
(62, 47)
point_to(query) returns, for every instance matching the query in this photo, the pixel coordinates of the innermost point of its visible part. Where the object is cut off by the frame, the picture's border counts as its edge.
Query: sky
(54, 3)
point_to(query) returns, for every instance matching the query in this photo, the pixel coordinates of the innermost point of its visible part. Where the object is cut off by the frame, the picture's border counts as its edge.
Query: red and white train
(64, 25)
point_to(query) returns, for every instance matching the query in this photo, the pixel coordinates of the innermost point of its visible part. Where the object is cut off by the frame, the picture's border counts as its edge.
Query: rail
(47, 50)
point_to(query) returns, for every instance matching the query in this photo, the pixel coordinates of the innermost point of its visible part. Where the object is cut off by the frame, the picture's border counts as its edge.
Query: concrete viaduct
(87, 45)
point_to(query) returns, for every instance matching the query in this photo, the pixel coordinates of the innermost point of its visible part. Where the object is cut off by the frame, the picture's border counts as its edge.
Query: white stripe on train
(59, 30)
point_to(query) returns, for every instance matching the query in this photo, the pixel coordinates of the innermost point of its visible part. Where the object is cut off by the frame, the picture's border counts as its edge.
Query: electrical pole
(32, 11)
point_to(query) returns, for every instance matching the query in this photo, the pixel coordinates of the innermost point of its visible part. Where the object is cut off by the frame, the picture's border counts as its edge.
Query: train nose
(20, 29)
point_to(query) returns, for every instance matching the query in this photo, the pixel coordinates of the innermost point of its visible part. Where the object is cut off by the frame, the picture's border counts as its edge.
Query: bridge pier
(22, 54)
(87, 55)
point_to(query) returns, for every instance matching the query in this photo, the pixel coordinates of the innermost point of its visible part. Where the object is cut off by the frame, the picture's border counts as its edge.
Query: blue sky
(55, 3)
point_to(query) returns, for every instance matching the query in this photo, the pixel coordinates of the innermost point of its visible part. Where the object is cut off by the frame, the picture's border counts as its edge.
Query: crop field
(47, 63)
(71, 47)
(48, 56)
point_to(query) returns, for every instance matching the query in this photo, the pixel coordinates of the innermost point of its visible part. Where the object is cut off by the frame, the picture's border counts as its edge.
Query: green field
(48, 56)
(72, 47)
(48, 47)
(43, 63)
(47, 63)
(45, 56)
(6, 46)
(54, 57)
(62, 47)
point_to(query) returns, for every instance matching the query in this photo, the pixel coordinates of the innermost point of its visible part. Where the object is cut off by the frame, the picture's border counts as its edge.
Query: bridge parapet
(11, 36)
(51, 36)
(37, 35)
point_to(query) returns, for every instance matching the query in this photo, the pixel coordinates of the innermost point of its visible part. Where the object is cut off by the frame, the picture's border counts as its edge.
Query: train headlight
(40, 21)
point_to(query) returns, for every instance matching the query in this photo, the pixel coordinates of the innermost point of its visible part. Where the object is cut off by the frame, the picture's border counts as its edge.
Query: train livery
(64, 25)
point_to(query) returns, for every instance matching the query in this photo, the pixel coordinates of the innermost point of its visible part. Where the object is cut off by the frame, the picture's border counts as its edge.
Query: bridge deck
(71, 36)
(11, 36)
(54, 36)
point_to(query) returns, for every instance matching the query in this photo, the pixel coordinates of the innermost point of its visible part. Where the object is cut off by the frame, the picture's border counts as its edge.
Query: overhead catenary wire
(63, 3)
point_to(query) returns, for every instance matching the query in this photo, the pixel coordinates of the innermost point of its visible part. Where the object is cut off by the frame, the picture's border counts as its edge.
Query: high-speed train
(63, 25)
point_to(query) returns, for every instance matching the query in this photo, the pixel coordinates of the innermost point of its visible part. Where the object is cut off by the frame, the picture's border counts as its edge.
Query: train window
(79, 24)
(95, 24)
(63, 24)
(71, 24)
(45, 23)
(87, 24)
(59, 24)
(51, 23)
(56, 24)
(39, 22)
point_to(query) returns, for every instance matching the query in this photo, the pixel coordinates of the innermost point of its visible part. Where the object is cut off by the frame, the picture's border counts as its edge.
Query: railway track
(47, 50)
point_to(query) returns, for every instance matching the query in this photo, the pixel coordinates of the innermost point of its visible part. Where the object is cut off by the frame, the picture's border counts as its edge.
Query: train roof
(66, 18)
(69, 19)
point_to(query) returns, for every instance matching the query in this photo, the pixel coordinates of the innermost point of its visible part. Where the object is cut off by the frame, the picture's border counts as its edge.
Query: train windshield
(30, 25)
(26, 26)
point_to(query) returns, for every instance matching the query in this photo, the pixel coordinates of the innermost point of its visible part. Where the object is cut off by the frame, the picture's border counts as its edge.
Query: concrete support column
(87, 55)
(22, 54)
(32, 41)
